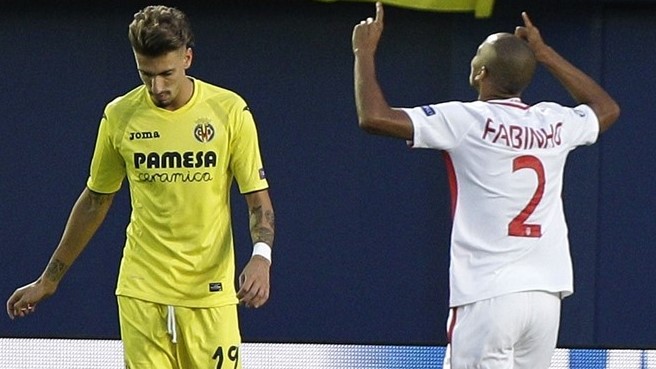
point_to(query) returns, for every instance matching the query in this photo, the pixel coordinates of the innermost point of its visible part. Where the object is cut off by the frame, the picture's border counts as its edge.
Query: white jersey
(505, 161)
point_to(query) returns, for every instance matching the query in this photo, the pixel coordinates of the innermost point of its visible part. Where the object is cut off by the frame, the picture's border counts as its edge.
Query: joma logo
(143, 135)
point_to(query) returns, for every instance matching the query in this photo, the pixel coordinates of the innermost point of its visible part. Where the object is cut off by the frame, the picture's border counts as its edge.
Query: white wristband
(262, 249)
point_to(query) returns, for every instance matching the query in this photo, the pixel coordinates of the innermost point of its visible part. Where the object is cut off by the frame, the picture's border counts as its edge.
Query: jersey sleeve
(245, 157)
(439, 126)
(107, 166)
(584, 125)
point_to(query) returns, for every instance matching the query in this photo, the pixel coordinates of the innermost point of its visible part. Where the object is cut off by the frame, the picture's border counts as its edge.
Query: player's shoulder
(118, 111)
(218, 94)
(553, 108)
(464, 107)
(475, 105)
(221, 99)
(549, 105)
(453, 110)
(126, 102)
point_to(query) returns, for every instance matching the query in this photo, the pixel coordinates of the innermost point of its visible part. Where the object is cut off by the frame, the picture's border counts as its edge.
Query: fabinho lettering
(521, 137)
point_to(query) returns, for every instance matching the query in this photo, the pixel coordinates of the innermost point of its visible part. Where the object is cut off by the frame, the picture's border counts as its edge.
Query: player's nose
(157, 85)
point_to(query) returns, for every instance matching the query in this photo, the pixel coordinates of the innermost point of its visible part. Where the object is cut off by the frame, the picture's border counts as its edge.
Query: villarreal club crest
(204, 131)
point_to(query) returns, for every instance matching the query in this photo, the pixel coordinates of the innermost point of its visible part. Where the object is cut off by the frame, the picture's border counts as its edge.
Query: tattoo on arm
(262, 225)
(55, 270)
(99, 199)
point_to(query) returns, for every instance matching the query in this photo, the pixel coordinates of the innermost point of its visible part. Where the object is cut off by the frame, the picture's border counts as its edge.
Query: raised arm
(580, 86)
(374, 114)
(254, 284)
(86, 217)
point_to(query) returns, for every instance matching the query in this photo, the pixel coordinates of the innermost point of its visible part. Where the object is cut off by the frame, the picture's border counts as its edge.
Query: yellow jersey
(180, 166)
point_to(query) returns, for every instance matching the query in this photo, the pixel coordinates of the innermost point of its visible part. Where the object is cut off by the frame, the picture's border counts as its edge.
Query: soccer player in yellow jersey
(180, 142)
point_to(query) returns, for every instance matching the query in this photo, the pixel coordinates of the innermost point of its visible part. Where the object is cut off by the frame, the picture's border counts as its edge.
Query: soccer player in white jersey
(180, 142)
(510, 262)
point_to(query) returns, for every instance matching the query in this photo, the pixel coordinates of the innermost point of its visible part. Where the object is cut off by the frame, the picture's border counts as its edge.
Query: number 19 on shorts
(230, 357)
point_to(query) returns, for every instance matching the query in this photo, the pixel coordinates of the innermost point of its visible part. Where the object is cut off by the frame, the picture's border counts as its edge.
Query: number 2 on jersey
(518, 226)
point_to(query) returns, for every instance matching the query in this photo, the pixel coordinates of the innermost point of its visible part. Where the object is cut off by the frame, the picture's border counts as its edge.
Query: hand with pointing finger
(366, 35)
(531, 34)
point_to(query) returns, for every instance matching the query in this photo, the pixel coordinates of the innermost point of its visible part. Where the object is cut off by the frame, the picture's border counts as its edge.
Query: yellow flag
(481, 8)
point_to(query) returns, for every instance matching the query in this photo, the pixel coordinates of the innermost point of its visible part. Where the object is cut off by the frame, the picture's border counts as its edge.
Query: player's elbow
(373, 120)
(609, 115)
(392, 123)
(375, 126)
(615, 112)
(369, 124)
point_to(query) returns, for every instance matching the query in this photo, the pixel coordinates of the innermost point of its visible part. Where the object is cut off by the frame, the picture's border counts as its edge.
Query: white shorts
(514, 331)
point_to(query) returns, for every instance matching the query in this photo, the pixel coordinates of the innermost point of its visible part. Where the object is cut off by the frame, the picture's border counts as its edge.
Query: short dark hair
(157, 30)
(514, 64)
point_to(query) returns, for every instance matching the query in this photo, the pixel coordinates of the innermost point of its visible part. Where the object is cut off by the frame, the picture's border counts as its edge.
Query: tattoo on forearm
(55, 270)
(262, 225)
(99, 199)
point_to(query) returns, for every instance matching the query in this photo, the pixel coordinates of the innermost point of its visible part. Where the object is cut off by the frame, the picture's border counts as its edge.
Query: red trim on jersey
(453, 182)
(452, 325)
(512, 105)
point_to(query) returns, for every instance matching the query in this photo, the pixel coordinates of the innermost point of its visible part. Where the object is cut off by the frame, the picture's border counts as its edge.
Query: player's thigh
(209, 338)
(146, 342)
(483, 333)
(538, 343)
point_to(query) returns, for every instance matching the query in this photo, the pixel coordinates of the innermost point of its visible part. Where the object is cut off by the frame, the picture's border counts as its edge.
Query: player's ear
(188, 57)
(482, 73)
